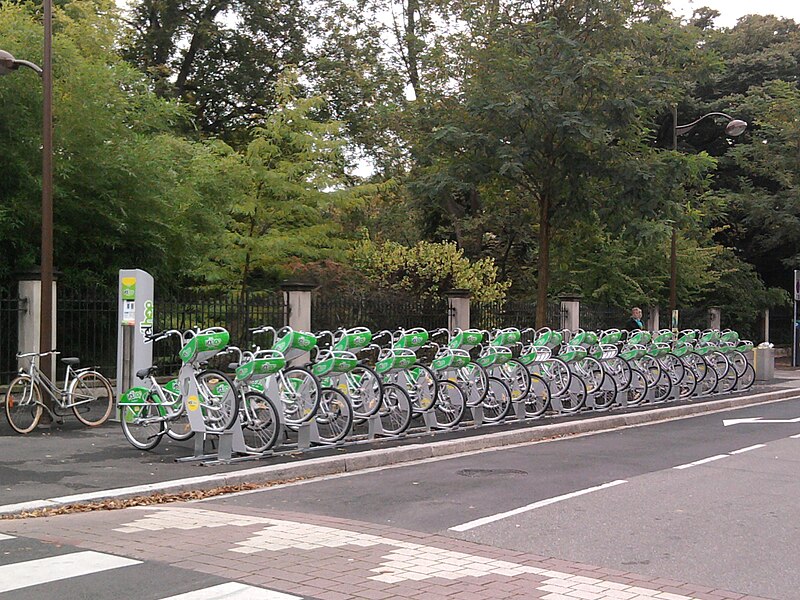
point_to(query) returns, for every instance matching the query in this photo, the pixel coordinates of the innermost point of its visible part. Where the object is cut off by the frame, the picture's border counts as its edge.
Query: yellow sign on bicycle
(192, 403)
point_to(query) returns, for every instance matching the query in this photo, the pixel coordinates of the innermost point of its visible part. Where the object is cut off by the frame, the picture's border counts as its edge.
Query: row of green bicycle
(340, 383)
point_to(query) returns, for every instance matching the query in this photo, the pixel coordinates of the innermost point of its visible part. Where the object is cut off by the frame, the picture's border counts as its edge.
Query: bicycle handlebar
(53, 352)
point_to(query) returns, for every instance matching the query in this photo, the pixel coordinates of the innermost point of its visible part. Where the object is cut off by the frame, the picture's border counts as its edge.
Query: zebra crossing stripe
(234, 591)
(20, 575)
(3, 536)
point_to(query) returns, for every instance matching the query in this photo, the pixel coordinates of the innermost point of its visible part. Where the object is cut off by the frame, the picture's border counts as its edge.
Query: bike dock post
(430, 420)
(519, 408)
(477, 414)
(556, 404)
(374, 426)
(229, 441)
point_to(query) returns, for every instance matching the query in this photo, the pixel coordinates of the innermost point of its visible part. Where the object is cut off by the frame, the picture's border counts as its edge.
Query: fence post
(766, 325)
(653, 319)
(715, 317)
(458, 309)
(571, 312)
(28, 326)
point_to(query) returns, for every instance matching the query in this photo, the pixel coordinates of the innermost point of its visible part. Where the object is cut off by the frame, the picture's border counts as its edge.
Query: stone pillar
(653, 319)
(297, 296)
(570, 312)
(28, 325)
(715, 317)
(458, 309)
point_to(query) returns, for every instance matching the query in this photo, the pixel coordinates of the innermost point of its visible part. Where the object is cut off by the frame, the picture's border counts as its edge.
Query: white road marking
(743, 450)
(795, 437)
(533, 506)
(20, 575)
(702, 461)
(3, 536)
(234, 591)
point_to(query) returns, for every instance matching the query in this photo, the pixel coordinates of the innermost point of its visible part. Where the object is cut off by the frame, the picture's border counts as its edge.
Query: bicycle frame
(62, 397)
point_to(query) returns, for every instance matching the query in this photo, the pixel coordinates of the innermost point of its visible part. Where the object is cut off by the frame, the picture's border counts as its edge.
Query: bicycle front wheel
(450, 404)
(219, 400)
(299, 391)
(497, 402)
(334, 416)
(23, 404)
(142, 424)
(262, 422)
(91, 397)
(395, 412)
(365, 390)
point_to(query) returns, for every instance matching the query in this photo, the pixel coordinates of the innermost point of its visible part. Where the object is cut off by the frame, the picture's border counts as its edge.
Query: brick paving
(328, 558)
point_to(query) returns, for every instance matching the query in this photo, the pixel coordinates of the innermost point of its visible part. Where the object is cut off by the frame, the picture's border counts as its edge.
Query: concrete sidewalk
(73, 464)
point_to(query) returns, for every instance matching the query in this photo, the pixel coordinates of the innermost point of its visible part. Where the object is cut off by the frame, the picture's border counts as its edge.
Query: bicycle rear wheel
(516, 377)
(23, 404)
(91, 397)
(142, 424)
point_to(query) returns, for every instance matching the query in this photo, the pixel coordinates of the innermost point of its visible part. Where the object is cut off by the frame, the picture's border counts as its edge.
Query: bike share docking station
(135, 311)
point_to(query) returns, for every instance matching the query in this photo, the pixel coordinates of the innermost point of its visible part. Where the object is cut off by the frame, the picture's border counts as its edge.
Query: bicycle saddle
(72, 361)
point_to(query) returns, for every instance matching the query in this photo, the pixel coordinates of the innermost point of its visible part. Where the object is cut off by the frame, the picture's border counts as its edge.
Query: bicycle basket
(395, 359)
(451, 358)
(412, 339)
(334, 361)
(204, 345)
(354, 339)
(494, 356)
(464, 340)
(295, 343)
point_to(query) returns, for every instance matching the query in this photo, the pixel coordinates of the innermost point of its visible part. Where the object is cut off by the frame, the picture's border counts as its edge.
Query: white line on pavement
(234, 591)
(3, 536)
(743, 450)
(535, 505)
(702, 461)
(55, 568)
(794, 437)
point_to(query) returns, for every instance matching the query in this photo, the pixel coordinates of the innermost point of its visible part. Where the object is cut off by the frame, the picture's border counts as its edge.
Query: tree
(557, 108)
(127, 190)
(221, 57)
(293, 174)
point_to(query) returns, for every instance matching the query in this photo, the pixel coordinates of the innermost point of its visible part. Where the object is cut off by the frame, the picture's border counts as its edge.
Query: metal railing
(513, 313)
(378, 310)
(11, 307)
(86, 326)
(235, 312)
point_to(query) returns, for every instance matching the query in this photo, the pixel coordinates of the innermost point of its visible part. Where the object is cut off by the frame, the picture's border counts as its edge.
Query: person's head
(636, 312)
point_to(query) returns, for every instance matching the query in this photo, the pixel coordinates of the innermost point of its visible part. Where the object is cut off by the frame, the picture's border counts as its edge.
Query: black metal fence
(86, 326)
(238, 313)
(595, 317)
(780, 326)
(695, 317)
(11, 306)
(512, 313)
(377, 311)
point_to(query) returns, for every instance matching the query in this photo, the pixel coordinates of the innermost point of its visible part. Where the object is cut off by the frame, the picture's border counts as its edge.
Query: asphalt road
(732, 522)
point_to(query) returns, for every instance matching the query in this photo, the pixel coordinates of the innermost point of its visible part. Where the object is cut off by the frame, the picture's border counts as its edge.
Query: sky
(731, 10)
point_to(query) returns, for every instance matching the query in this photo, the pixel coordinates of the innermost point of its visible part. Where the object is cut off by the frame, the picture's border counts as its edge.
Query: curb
(332, 465)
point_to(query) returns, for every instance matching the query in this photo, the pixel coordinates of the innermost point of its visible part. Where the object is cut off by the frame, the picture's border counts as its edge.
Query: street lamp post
(8, 64)
(735, 127)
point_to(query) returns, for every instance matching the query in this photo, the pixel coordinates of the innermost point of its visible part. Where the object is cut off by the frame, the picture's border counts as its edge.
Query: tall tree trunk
(412, 46)
(543, 262)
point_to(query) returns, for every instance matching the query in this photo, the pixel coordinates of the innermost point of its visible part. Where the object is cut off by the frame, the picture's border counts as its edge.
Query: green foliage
(127, 191)
(292, 176)
(428, 269)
